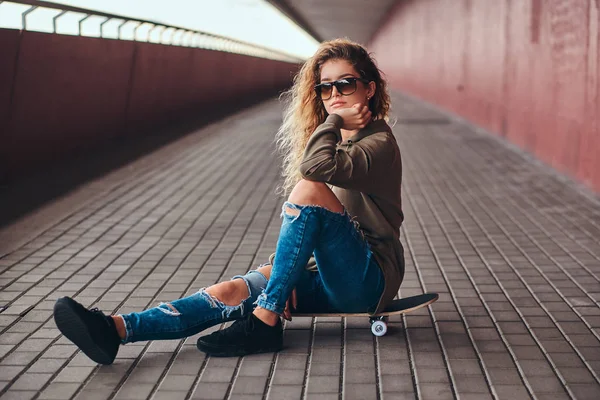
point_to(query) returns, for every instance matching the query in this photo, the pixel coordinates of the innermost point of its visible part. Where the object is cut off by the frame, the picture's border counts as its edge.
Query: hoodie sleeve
(357, 166)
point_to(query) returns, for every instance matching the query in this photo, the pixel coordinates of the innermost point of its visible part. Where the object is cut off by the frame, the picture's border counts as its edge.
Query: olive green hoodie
(365, 173)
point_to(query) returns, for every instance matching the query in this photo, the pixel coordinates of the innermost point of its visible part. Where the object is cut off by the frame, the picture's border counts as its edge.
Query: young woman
(338, 248)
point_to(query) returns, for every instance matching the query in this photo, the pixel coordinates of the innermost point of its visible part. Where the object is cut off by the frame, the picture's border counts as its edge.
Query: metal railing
(178, 36)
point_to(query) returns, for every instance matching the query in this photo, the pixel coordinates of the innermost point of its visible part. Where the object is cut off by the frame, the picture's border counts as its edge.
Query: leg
(99, 336)
(301, 232)
(230, 293)
(236, 290)
(307, 193)
(299, 235)
(187, 316)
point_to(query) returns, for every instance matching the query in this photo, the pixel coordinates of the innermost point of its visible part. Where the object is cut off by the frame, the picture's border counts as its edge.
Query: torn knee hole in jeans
(169, 310)
(216, 303)
(292, 211)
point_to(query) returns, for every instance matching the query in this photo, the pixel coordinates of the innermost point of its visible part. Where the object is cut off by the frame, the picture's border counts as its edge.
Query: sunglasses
(344, 86)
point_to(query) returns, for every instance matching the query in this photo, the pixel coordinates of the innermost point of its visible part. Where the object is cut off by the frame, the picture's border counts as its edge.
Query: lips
(337, 103)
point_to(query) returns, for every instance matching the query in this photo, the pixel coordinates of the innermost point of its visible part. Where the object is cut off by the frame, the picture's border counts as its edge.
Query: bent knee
(230, 293)
(265, 270)
(315, 193)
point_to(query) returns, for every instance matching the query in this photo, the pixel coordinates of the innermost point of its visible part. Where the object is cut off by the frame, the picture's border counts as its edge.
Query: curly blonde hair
(304, 111)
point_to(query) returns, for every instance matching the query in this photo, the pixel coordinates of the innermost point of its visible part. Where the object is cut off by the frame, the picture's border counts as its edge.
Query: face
(334, 70)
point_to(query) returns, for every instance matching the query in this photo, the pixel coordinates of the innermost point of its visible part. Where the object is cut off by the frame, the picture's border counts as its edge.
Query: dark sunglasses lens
(346, 87)
(325, 91)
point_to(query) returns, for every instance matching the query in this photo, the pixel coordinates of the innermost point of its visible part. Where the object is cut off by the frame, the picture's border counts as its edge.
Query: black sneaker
(245, 336)
(92, 331)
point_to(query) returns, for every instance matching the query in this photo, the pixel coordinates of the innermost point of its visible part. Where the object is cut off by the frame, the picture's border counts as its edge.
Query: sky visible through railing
(253, 21)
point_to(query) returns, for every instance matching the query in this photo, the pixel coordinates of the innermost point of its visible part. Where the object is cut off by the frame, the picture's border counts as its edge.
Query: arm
(356, 167)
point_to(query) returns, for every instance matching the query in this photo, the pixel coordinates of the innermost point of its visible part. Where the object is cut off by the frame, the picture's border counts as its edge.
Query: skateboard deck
(379, 321)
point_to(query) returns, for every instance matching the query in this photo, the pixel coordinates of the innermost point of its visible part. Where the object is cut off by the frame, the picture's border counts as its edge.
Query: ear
(371, 89)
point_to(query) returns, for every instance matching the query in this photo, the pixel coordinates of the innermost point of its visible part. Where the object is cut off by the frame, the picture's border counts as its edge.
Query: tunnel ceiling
(328, 19)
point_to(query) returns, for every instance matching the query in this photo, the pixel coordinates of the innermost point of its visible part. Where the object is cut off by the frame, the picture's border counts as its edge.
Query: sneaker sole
(214, 352)
(73, 328)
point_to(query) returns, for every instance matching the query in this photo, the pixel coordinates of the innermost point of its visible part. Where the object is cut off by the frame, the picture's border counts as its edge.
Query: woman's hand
(287, 313)
(355, 117)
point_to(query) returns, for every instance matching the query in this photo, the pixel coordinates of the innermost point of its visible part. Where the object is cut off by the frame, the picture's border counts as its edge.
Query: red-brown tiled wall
(525, 69)
(60, 94)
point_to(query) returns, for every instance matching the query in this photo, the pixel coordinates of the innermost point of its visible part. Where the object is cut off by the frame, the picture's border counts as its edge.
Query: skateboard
(379, 321)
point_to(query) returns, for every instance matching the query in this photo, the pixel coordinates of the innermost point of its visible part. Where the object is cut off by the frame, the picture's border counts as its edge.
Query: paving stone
(471, 384)
(497, 360)
(536, 367)
(177, 383)
(291, 362)
(135, 391)
(255, 368)
(8, 373)
(545, 384)
(553, 396)
(59, 391)
(86, 394)
(249, 385)
(586, 391)
(321, 369)
(145, 374)
(396, 383)
(576, 375)
(359, 391)
(359, 375)
(210, 391)
(528, 353)
(170, 395)
(19, 358)
(513, 391)
(31, 381)
(432, 375)
(60, 351)
(217, 375)
(19, 395)
(436, 391)
(287, 392)
(290, 377)
(238, 396)
(323, 384)
(74, 374)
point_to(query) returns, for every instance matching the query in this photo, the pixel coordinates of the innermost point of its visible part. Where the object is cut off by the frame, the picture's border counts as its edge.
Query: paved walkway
(512, 248)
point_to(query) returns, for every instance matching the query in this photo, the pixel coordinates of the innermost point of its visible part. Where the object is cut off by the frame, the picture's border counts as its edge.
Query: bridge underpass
(511, 245)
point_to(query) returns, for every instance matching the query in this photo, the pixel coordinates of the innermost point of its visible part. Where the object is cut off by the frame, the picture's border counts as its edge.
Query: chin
(332, 110)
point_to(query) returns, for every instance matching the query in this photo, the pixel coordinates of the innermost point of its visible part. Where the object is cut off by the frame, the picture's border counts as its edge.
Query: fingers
(366, 113)
(356, 117)
(286, 311)
(363, 115)
(294, 299)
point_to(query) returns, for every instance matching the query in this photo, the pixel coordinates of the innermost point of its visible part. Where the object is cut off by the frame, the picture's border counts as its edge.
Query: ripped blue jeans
(347, 279)
(189, 315)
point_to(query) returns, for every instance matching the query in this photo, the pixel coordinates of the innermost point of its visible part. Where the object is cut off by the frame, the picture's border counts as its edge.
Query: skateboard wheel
(379, 328)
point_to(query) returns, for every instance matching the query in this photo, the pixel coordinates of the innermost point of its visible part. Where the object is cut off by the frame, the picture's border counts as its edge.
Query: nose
(334, 92)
